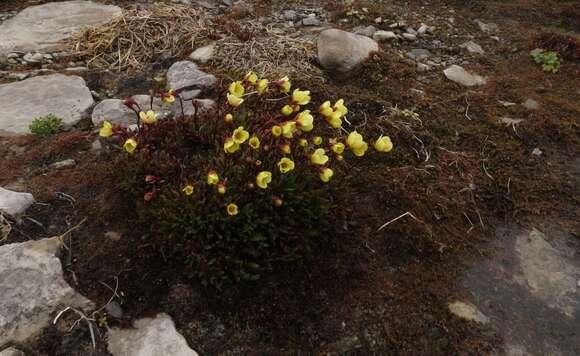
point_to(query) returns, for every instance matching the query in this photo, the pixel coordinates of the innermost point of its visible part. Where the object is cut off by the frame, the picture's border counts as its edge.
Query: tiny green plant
(549, 60)
(46, 125)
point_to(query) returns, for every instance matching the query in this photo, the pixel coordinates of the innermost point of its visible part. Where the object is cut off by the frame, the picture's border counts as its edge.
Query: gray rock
(417, 92)
(384, 35)
(487, 27)
(67, 163)
(43, 27)
(204, 105)
(468, 311)
(114, 310)
(203, 54)
(419, 54)
(64, 96)
(423, 29)
(531, 104)
(149, 337)
(421, 67)
(33, 289)
(33, 57)
(114, 111)
(11, 352)
(77, 69)
(289, 15)
(186, 75)
(472, 47)
(13, 55)
(14, 203)
(459, 75)
(409, 36)
(310, 21)
(368, 31)
(341, 51)
(411, 31)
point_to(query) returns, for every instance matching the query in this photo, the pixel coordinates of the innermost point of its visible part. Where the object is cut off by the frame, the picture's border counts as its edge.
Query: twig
(397, 218)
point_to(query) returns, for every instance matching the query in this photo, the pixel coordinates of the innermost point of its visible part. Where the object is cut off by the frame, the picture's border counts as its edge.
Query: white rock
(113, 110)
(186, 75)
(423, 29)
(531, 104)
(14, 203)
(43, 27)
(33, 57)
(149, 337)
(459, 75)
(537, 152)
(384, 35)
(33, 289)
(11, 352)
(67, 97)
(67, 163)
(468, 311)
(203, 54)
(472, 47)
(341, 51)
(487, 27)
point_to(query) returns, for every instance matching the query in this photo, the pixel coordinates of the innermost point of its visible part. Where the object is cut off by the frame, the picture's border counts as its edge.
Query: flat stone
(409, 36)
(67, 163)
(67, 97)
(14, 203)
(310, 21)
(33, 57)
(384, 35)
(11, 352)
(203, 54)
(33, 289)
(472, 47)
(459, 75)
(149, 337)
(531, 104)
(43, 27)
(186, 76)
(341, 52)
(114, 111)
(468, 311)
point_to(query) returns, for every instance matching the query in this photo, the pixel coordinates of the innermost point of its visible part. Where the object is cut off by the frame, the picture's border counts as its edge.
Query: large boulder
(341, 52)
(149, 337)
(186, 76)
(43, 27)
(14, 203)
(67, 97)
(33, 289)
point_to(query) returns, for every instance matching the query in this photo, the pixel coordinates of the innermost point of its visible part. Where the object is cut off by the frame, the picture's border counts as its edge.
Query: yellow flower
(288, 129)
(221, 188)
(263, 179)
(148, 118)
(287, 110)
(340, 108)
(276, 130)
(383, 144)
(286, 149)
(338, 148)
(231, 146)
(325, 109)
(188, 190)
(212, 178)
(356, 143)
(229, 118)
(334, 120)
(262, 86)
(106, 130)
(319, 157)
(301, 97)
(240, 135)
(305, 121)
(232, 209)
(169, 97)
(286, 165)
(303, 142)
(254, 142)
(234, 101)
(284, 85)
(130, 145)
(251, 78)
(325, 174)
(237, 89)
(317, 140)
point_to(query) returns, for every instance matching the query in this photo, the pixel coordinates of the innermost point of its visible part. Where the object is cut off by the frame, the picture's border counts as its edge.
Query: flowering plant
(244, 185)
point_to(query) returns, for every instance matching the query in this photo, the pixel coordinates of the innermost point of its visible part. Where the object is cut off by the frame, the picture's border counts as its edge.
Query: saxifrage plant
(240, 188)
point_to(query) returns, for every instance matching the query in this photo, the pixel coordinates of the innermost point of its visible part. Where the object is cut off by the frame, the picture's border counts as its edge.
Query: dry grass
(140, 36)
(270, 52)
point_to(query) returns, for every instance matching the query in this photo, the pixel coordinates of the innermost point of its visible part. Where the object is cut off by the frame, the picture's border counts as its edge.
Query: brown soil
(457, 169)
